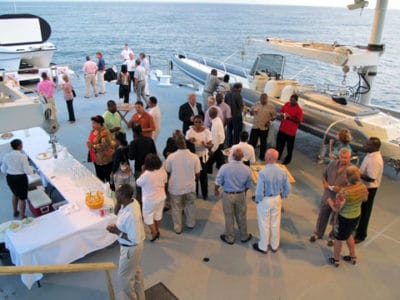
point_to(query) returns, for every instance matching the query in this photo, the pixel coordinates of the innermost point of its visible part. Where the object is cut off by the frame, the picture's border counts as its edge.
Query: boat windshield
(270, 64)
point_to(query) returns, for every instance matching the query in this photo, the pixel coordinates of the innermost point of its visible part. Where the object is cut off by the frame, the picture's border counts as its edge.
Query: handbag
(124, 172)
(73, 93)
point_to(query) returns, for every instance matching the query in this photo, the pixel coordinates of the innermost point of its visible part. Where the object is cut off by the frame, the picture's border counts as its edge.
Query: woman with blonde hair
(348, 206)
(68, 97)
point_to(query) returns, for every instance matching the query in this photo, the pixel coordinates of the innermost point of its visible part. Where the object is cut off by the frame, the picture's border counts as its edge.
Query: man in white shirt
(183, 168)
(155, 112)
(371, 170)
(249, 156)
(125, 53)
(140, 81)
(144, 62)
(130, 231)
(218, 139)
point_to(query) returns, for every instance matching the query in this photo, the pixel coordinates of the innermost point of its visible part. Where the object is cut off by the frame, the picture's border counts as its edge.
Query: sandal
(333, 261)
(350, 259)
(313, 238)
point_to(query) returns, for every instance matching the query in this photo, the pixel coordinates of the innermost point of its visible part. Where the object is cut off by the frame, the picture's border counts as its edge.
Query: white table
(59, 238)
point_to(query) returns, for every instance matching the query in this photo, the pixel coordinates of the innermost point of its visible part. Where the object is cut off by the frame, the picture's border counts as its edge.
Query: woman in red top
(101, 148)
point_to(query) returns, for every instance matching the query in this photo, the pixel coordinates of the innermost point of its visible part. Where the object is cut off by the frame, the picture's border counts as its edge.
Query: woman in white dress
(153, 181)
(201, 137)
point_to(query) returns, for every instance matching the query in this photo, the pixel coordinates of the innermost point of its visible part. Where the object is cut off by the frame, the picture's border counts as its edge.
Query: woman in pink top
(68, 97)
(46, 88)
(153, 181)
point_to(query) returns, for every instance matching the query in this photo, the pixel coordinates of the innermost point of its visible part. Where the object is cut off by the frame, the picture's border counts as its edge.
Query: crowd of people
(190, 155)
(132, 77)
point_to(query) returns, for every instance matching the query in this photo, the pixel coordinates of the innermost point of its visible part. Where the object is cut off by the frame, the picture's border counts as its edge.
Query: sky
(341, 3)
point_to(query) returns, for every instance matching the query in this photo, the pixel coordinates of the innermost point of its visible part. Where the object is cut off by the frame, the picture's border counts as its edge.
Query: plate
(3, 229)
(15, 226)
(7, 135)
(44, 155)
(58, 148)
(28, 221)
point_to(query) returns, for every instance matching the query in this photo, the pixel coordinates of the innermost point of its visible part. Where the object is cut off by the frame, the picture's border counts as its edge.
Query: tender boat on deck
(23, 44)
(325, 111)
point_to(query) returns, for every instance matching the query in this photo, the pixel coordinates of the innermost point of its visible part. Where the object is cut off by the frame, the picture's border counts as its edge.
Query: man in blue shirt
(101, 68)
(235, 178)
(272, 186)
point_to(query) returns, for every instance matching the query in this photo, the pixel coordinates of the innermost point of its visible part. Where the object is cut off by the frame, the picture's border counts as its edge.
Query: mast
(375, 44)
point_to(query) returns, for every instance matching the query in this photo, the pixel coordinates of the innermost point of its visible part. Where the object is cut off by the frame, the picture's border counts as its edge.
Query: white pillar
(375, 42)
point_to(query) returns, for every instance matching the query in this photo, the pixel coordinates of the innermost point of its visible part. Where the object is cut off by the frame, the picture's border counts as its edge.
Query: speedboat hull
(35, 55)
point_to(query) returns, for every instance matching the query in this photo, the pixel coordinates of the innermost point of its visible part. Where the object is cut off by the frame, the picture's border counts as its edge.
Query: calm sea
(217, 31)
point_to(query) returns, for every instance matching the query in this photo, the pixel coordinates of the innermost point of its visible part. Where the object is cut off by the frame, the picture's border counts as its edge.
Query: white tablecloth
(59, 237)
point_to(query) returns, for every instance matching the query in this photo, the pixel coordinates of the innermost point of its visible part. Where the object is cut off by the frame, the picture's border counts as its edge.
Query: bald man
(235, 178)
(272, 186)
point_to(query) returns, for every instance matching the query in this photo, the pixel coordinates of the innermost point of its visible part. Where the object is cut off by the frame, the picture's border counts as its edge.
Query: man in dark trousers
(371, 170)
(188, 111)
(264, 113)
(235, 101)
(291, 117)
(138, 150)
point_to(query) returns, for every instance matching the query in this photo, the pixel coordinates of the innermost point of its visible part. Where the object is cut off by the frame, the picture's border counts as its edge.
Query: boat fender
(339, 99)
(272, 89)
(287, 92)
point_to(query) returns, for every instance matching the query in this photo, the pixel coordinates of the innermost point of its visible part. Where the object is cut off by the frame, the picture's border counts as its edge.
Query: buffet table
(66, 234)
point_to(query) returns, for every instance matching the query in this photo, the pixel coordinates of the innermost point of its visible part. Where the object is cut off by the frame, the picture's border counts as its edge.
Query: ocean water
(218, 31)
